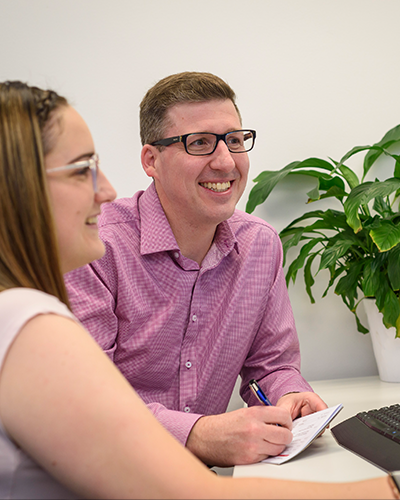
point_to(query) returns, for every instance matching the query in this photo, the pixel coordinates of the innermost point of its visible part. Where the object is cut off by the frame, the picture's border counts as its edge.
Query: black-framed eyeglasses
(205, 143)
(92, 163)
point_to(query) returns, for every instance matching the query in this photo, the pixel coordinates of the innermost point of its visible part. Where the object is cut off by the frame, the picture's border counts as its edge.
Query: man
(191, 292)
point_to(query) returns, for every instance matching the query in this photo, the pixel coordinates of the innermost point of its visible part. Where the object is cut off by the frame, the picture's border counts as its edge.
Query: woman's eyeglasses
(93, 163)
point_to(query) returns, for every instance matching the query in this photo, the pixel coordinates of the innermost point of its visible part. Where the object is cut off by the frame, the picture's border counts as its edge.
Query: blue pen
(259, 393)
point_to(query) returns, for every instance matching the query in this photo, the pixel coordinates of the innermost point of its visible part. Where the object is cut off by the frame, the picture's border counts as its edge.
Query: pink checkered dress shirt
(181, 333)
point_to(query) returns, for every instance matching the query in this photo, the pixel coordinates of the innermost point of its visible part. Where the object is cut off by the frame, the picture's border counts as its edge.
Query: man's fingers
(278, 436)
(272, 415)
(301, 403)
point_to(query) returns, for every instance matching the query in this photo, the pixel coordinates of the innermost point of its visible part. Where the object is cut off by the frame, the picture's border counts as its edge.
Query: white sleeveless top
(20, 476)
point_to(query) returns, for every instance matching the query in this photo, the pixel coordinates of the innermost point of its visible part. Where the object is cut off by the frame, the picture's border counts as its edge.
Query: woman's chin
(82, 258)
(96, 253)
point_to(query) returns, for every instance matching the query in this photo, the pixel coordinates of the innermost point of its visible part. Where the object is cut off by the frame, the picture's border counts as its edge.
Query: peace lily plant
(358, 244)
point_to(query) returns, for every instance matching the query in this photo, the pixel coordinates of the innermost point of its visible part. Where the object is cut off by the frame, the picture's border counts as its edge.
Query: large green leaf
(267, 180)
(308, 277)
(334, 192)
(298, 263)
(397, 169)
(382, 291)
(353, 151)
(316, 163)
(393, 267)
(329, 182)
(380, 261)
(350, 176)
(334, 253)
(386, 236)
(347, 285)
(370, 223)
(391, 137)
(332, 218)
(360, 326)
(335, 273)
(391, 309)
(297, 237)
(313, 195)
(382, 207)
(334, 186)
(325, 183)
(371, 278)
(328, 222)
(294, 240)
(311, 173)
(363, 194)
(348, 235)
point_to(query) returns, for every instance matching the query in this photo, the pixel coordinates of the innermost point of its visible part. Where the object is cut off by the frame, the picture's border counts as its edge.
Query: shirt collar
(157, 235)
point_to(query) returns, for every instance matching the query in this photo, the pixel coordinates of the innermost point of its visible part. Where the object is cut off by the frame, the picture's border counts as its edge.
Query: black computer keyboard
(385, 420)
(374, 435)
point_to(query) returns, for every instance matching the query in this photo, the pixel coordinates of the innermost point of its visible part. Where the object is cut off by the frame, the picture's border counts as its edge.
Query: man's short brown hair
(176, 89)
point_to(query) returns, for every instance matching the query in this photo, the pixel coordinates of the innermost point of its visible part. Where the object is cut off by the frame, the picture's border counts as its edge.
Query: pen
(259, 393)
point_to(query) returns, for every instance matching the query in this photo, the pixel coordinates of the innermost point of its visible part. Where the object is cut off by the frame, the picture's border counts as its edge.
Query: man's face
(187, 185)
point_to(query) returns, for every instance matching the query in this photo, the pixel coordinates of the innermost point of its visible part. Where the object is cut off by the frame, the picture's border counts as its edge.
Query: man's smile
(218, 187)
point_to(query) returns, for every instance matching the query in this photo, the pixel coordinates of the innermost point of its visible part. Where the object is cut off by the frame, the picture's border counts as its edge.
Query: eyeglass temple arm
(167, 142)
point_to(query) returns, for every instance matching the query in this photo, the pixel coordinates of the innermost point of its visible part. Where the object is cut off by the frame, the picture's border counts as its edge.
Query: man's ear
(149, 157)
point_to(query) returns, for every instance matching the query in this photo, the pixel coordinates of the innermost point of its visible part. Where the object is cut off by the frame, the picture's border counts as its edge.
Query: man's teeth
(218, 187)
(91, 220)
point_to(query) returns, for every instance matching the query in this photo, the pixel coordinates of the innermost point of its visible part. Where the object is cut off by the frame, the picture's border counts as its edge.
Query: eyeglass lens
(204, 143)
(94, 167)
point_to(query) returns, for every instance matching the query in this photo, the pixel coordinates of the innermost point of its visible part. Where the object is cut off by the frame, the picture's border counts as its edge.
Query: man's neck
(193, 242)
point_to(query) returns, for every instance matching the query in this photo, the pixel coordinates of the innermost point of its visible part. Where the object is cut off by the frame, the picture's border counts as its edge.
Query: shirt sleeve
(92, 301)
(274, 357)
(179, 424)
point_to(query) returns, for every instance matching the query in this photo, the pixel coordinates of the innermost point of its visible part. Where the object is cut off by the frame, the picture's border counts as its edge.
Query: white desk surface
(325, 460)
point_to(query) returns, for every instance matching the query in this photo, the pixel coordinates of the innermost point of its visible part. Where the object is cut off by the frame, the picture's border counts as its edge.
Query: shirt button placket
(188, 373)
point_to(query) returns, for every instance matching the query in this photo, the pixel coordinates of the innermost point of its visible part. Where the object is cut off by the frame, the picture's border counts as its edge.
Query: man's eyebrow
(229, 130)
(82, 157)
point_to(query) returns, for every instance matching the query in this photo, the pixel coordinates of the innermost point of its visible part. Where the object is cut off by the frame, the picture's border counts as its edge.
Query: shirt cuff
(178, 423)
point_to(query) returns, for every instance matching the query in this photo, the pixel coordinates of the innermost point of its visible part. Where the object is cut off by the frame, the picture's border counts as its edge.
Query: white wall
(313, 77)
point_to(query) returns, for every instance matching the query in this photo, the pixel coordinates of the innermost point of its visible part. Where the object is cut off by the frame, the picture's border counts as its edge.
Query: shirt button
(194, 317)
(176, 255)
(188, 364)
(186, 409)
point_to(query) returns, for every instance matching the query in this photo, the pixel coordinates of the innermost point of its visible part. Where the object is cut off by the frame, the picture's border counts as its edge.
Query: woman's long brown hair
(29, 254)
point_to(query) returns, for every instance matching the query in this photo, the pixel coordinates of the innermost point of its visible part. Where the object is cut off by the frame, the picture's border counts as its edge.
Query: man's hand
(299, 404)
(244, 436)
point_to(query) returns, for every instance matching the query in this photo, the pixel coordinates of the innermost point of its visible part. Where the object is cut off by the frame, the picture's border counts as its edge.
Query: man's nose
(222, 158)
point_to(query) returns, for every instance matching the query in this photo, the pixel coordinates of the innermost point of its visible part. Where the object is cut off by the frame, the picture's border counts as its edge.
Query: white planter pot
(386, 346)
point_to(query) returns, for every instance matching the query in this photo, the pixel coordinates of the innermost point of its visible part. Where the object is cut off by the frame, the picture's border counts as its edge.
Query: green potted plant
(359, 243)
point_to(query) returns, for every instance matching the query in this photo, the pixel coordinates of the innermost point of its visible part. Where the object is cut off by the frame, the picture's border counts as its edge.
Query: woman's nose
(105, 191)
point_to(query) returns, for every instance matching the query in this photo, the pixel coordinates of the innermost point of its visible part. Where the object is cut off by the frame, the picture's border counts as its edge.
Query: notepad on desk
(305, 430)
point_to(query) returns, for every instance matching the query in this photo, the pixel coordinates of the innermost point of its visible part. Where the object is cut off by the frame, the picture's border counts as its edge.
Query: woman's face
(74, 201)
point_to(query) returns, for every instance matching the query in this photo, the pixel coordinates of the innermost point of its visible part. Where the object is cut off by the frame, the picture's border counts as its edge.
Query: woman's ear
(149, 157)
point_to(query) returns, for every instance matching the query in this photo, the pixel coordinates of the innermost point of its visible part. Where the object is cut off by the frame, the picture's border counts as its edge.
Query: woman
(69, 422)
